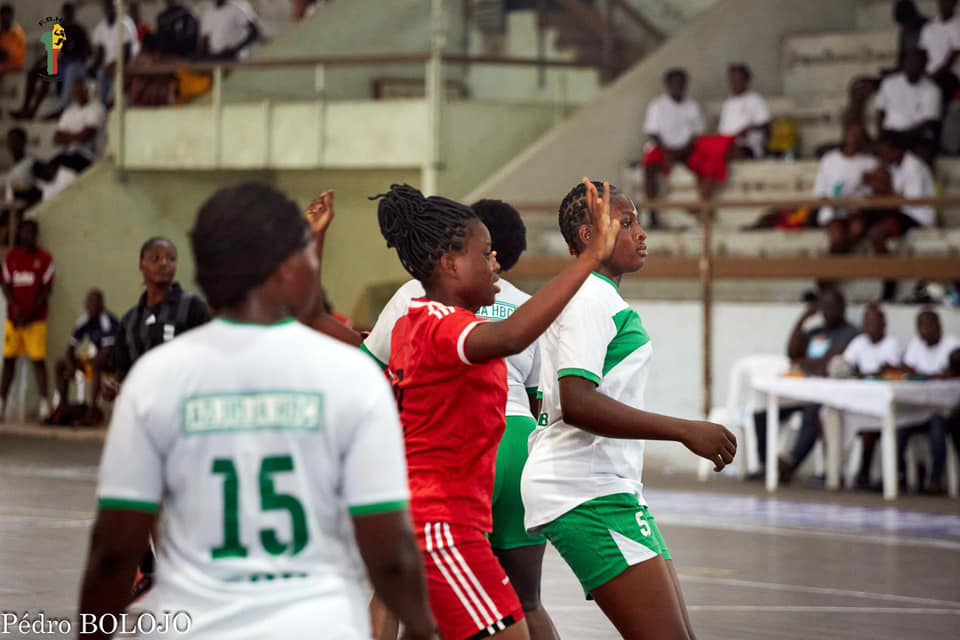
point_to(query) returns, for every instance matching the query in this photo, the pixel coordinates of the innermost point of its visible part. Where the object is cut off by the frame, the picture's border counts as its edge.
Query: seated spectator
(13, 42)
(150, 90)
(745, 114)
(840, 175)
(52, 178)
(809, 351)
(177, 31)
(672, 123)
(911, 23)
(28, 272)
(143, 29)
(901, 174)
(105, 37)
(940, 38)
(96, 330)
(78, 130)
(929, 355)
(227, 28)
(860, 91)
(20, 184)
(72, 62)
(909, 104)
(871, 354)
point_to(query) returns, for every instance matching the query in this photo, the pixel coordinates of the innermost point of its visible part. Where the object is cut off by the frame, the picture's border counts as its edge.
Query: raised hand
(711, 441)
(320, 213)
(604, 237)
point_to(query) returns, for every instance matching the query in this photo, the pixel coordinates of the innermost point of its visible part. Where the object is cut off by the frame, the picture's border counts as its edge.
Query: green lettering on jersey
(497, 311)
(255, 411)
(543, 420)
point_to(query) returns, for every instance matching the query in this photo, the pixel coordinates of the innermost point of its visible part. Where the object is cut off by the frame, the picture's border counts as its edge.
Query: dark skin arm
(585, 407)
(42, 297)
(395, 566)
(881, 118)
(534, 404)
(117, 544)
(14, 309)
(97, 61)
(947, 63)
(492, 340)
(64, 137)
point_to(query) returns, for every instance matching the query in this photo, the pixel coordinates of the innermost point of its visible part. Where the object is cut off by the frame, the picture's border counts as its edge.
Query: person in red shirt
(27, 280)
(450, 379)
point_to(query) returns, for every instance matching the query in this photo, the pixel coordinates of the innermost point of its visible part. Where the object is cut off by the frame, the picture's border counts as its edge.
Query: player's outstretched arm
(493, 340)
(395, 566)
(117, 544)
(585, 407)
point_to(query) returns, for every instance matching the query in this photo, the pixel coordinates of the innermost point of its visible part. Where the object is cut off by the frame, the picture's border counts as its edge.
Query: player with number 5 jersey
(272, 453)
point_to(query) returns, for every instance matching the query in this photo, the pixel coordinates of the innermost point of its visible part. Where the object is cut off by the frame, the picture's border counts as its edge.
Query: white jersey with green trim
(523, 369)
(599, 337)
(257, 444)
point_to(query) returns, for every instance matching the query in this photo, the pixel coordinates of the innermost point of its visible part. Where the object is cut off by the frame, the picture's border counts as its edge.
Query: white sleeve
(699, 123)
(131, 469)
(761, 112)
(206, 23)
(918, 183)
(374, 469)
(912, 358)
(892, 355)
(882, 101)
(98, 36)
(822, 187)
(377, 344)
(852, 353)
(651, 125)
(931, 105)
(533, 377)
(583, 335)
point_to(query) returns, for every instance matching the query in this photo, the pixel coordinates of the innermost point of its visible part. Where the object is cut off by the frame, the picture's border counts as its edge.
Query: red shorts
(707, 160)
(470, 593)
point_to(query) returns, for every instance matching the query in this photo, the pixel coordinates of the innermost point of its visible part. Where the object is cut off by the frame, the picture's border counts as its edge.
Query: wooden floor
(806, 564)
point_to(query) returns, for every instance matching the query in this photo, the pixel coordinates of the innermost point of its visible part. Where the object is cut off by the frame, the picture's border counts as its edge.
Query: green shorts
(508, 529)
(602, 538)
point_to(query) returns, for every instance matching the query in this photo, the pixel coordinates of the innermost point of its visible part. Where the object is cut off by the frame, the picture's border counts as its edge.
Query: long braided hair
(421, 229)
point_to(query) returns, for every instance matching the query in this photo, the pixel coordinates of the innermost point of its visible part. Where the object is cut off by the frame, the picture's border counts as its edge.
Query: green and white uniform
(523, 373)
(582, 490)
(260, 443)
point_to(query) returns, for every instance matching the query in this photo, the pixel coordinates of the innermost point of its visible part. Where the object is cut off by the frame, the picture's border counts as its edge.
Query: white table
(878, 398)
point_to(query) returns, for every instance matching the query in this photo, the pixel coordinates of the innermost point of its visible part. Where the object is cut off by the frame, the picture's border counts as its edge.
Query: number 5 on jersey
(270, 500)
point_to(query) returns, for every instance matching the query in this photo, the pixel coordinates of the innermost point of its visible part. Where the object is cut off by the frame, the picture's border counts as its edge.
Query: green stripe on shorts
(604, 537)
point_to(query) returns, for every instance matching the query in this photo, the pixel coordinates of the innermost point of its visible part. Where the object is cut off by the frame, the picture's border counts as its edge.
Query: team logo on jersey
(497, 311)
(266, 410)
(53, 38)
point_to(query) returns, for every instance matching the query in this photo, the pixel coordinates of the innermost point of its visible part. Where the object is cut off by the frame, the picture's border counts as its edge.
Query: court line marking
(888, 539)
(84, 472)
(816, 609)
(829, 591)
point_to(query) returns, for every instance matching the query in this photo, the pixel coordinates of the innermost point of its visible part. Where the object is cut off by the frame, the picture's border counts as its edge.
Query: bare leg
(879, 234)
(523, 566)
(40, 371)
(384, 624)
(661, 616)
(651, 189)
(683, 603)
(839, 238)
(516, 631)
(9, 366)
(62, 374)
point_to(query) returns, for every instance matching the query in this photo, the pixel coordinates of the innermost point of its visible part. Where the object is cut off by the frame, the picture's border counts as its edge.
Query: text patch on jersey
(267, 410)
(497, 311)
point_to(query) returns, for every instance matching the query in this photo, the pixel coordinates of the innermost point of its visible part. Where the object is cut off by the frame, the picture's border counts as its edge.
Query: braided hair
(574, 213)
(421, 229)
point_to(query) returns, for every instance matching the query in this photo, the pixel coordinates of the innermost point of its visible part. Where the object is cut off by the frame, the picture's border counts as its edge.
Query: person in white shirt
(928, 355)
(227, 28)
(19, 183)
(902, 174)
(840, 175)
(745, 114)
(105, 45)
(79, 130)
(940, 38)
(271, 455)
(673, 122)
(51, 179)
(909, 103)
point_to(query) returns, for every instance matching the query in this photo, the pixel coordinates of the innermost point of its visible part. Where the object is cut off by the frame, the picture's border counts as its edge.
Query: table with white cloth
(876, 398)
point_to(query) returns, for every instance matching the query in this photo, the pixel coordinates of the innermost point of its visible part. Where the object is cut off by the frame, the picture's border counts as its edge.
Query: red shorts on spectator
(470, 593)
(707, 160)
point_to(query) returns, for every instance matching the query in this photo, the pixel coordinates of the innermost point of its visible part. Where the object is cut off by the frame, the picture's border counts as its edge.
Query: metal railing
(708, 267)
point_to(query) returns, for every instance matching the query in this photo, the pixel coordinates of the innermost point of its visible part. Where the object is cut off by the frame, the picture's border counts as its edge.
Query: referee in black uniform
(164, 312)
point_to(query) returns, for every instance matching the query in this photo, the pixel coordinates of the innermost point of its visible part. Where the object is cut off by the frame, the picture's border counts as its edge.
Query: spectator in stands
(52, 178)
(28, 274)
(227, 28)
(73, 60)
(177, 31)
(901, 174)
(745, 114)
(150, 90)
(940, 38)
(860, 91)
(97, 327)
(13, 42)
(909, 104)
(143, 29)
(871, 354)
(928, 356)
(105, 37)
(78, 130)
(809, 351)
(19, 181)
(840, 175)
(672, 123)
(911, 22)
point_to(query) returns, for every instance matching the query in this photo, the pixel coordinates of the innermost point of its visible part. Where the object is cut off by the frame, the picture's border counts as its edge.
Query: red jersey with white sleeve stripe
(452, 412)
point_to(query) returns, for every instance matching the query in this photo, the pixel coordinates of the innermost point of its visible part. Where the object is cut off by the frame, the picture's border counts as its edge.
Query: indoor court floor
(804, 564)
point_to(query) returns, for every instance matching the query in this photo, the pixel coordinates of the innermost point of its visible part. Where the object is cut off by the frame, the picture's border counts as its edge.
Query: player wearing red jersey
(450, 381)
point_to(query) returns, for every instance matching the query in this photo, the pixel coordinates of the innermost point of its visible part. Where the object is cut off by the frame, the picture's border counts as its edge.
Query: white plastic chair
(737, 415)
